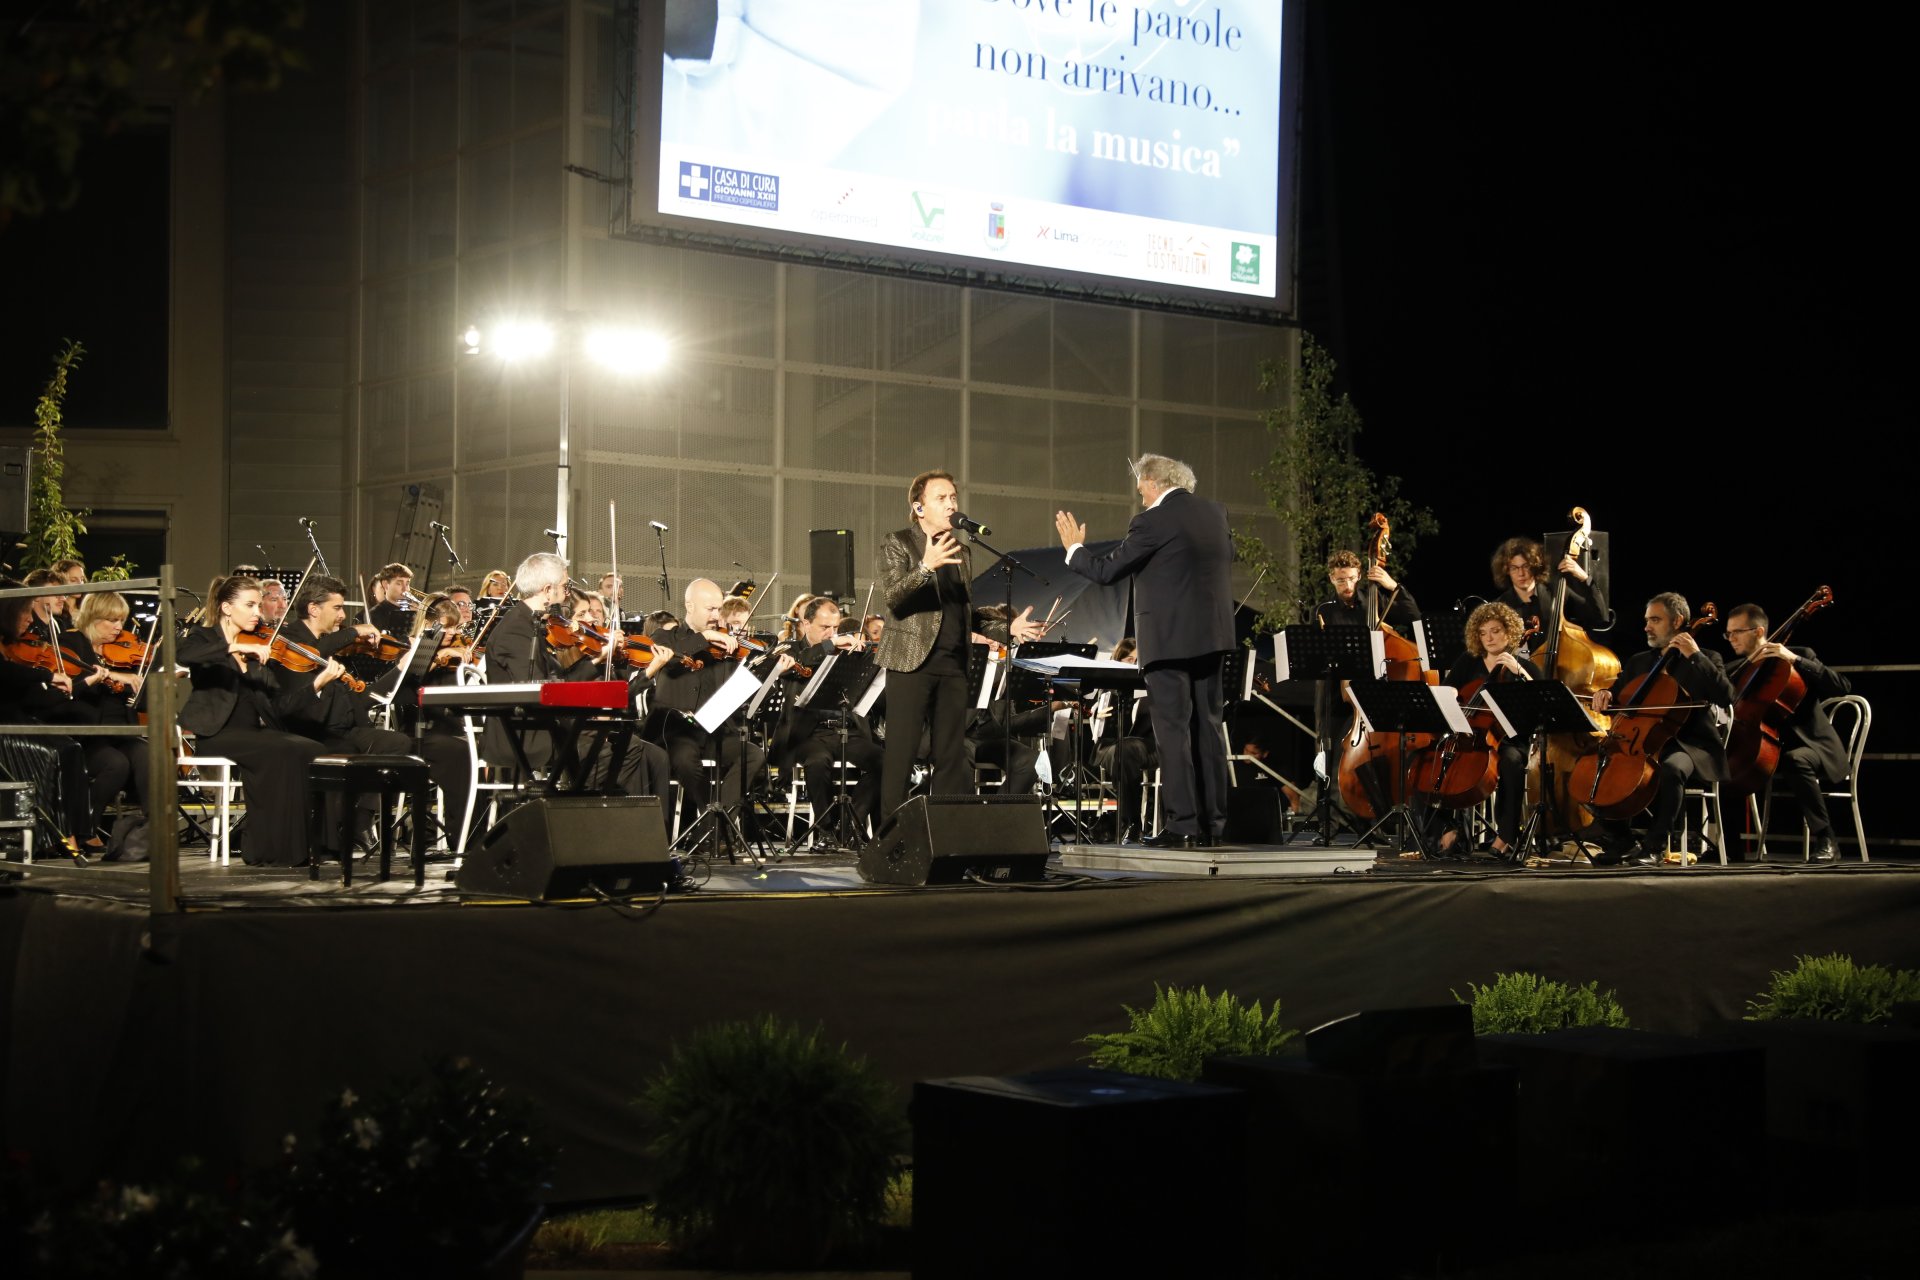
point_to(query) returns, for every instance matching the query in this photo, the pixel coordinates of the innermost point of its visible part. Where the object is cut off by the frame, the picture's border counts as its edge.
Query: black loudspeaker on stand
(950, 839)
(570, 846)
(832, 562)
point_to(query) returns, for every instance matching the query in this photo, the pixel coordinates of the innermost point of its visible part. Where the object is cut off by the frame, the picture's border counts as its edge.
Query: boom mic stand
(1006, 564)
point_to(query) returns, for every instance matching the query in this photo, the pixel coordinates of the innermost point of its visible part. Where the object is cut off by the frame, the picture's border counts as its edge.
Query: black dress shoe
(1645, 857)
(1169, 840)
(1824, 850)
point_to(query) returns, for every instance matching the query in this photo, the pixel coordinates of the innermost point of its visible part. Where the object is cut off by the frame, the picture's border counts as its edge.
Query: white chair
(215, 774)
(1713, 821)
(475, 785)
(1852, 716)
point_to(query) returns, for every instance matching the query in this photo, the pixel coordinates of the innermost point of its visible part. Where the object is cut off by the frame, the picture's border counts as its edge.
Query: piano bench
(390, 775)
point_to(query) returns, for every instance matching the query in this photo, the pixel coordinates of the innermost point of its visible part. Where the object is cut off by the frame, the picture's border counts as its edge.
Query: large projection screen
(1132, 147)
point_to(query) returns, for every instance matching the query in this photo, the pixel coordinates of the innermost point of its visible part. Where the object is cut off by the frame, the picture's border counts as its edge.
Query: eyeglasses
(1740, 631)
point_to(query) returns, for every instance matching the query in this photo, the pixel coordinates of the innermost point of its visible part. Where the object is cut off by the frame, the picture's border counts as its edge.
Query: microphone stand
(1006, 564)
(314, 543)
(453, 557)
(666, 586)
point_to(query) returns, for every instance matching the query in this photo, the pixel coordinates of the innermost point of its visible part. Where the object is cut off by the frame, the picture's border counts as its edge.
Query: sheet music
(1448, 700)
(987, 681)
(872, 695)
(819, 678)
(727, 699)
(1054, 665)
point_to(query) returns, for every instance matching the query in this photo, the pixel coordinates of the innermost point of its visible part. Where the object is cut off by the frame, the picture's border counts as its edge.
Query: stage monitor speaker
(15, 479)
(949, 839)
(568, 846)
(832, 563)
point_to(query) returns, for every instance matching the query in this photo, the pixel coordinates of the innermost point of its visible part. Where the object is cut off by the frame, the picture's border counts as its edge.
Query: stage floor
(130, 1038)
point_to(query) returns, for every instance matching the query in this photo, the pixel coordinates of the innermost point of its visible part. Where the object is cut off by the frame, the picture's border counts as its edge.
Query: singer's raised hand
(942, 549)
(1069, 529)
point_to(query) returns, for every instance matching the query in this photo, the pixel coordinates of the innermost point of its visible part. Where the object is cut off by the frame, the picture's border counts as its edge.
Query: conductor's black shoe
(1824, 850)
(1169, 840)
(1645, 856)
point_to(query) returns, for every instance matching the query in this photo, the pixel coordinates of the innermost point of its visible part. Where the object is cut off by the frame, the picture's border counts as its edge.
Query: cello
(1573, 658)
(1618, 779)
(1765, 700)
(1373, 765)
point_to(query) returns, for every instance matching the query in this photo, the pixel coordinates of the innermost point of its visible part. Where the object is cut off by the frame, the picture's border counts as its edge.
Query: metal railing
(163, 867)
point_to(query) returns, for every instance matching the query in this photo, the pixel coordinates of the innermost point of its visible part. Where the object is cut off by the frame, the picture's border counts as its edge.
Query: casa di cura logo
(719, 184)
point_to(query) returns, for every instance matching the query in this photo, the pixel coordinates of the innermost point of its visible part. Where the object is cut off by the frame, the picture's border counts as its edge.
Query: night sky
(1632, 259)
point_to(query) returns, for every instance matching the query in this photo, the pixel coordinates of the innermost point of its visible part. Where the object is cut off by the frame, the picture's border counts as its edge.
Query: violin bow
(613, 556)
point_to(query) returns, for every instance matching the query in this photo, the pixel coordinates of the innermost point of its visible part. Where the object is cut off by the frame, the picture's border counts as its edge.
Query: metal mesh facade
(796, 398)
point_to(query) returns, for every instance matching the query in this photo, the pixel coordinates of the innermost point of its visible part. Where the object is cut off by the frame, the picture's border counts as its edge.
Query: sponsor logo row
(927, 221)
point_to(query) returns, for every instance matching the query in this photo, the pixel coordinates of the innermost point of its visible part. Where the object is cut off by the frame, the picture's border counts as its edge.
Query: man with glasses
(1810, 750)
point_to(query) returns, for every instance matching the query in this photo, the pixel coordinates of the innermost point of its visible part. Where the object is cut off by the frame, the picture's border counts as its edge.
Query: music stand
(1327, 654)
(718, 818)
(1530, 708)
(1406, 707)
(836, 682)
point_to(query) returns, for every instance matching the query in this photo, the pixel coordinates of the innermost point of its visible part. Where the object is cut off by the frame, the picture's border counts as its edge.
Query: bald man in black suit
(1179, 553)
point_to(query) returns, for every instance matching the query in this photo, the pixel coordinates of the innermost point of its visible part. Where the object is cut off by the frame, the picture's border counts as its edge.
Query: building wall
(797, 397)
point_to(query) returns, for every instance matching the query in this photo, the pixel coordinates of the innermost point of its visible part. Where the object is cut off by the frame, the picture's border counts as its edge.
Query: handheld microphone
(662, 528)
(971, 525)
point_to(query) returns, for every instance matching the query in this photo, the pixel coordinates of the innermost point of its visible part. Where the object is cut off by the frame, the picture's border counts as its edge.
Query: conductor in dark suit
(1179, 553)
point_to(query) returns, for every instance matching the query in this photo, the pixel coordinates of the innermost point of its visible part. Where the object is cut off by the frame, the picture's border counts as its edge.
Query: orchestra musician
(518, 653)
(318, 704)
(1810, 750)
(811, 734)
(107, 697)
(1493, 635)
(495, 584)
(231, 713)
(872, 627)
(680, 690)
(1696, 751)
(990, 740)
(1520, 571)
(55, 764)
(1179, 553)
(1348, 608)
(273, 602)
(924, 583)
(391, 609)
(462, 601)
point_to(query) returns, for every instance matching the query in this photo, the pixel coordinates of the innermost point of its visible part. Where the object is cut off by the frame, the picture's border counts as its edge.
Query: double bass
(1373, 767)
(1619, 779)
(1576, 660)
(1769, 693)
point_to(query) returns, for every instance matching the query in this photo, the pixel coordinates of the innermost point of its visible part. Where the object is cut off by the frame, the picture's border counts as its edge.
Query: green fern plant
(1174, 1036)
(1832, 988)
(1528, 1004)
(776, 1147)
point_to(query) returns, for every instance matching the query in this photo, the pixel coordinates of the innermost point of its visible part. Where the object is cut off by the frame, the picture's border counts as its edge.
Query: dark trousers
(1126, 764)
(114, 765)
(1510, 793)
(916, 698)
(687, 744)
(816, 755)
(273, 767)
(1799, 770)
(1186, 697)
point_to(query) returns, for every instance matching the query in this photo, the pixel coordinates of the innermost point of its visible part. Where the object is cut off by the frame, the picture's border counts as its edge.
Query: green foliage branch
(53, 529)
(1322, 490)
(1528, 1004)
(1174, 1036)
(1832, 988)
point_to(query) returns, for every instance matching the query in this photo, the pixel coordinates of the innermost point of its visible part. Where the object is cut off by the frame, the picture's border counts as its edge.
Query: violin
(1618, 779)
(1769, 693)
(125, 652)
(1584, 666)
(1373, 766)
(32, 651)
(383, 649)
(296, 658)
